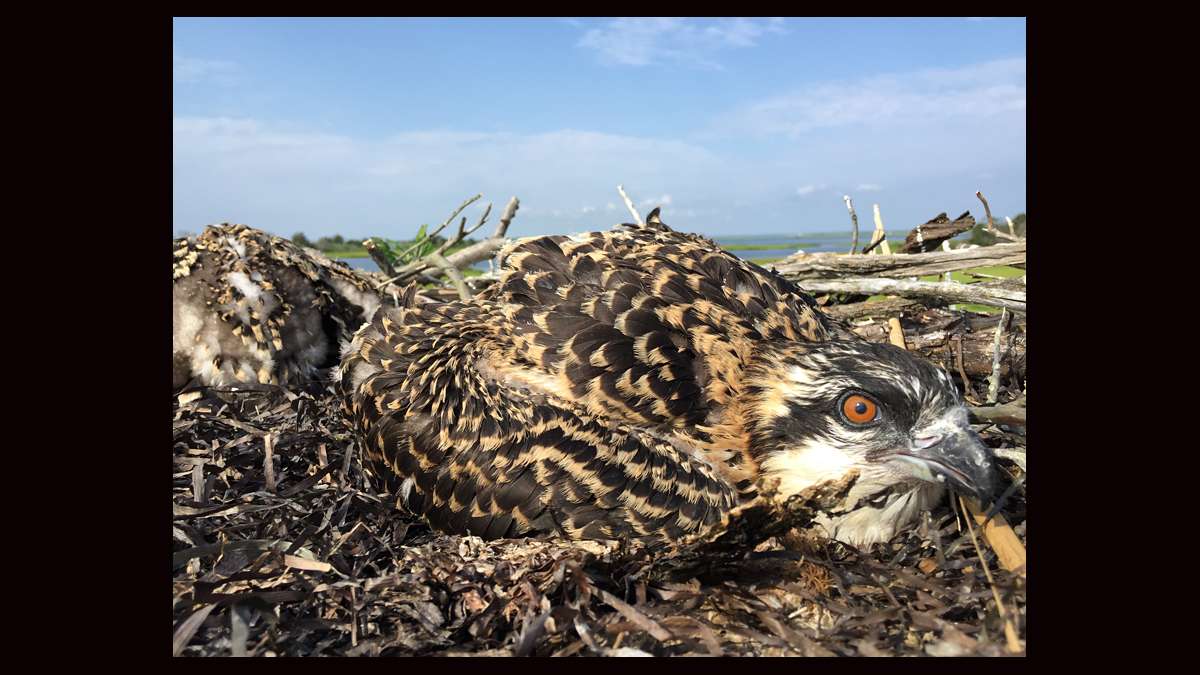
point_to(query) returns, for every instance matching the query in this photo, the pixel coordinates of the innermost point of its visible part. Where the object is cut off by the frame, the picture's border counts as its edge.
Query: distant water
(782, 246)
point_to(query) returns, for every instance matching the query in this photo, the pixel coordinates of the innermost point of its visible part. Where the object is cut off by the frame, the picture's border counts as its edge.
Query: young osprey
(251, 307)
(640, 383)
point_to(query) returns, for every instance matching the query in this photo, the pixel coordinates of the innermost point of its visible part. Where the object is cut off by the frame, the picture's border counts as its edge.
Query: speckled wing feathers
(477, 454)
(646, 324)
(591, 392)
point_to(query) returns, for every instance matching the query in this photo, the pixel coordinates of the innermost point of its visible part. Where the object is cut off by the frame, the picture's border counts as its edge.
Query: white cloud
(187, 70)
(643, 41)
(285, 179)
(990, 89)
(925, 135)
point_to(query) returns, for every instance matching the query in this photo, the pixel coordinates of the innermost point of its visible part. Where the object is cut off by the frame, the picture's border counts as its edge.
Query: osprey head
(819, 410)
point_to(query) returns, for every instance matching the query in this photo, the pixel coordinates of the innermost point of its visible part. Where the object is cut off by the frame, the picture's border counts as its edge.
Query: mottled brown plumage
(620, 384)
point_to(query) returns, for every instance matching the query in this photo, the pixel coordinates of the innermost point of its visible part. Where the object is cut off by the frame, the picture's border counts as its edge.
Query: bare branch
(824, 265)
(879, 236)
(950, 339)
(451, 271)
(877, 242)
(896, 333)
(884, 309)
(485, 249)
(854, 220)
(437, 230)
(994, 380)
(629, 205)
(384, 264)
(981, 293)
(987, 210)
(482, 220)
(509, 212)
(1012, 414)
(1011, 553)
(459, 210)
(269, 461)
(991, 224)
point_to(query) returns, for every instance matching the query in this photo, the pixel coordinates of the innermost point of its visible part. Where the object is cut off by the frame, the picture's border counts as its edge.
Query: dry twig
(451, 271)
(981, 293)
(465, 257)
(269, 461)
(994, 380)
(899, 266)
(629, 205)
(991, 224)
(854, 220)
(1010, 630)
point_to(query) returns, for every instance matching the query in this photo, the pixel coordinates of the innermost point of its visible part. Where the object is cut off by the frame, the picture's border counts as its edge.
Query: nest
(283, 545)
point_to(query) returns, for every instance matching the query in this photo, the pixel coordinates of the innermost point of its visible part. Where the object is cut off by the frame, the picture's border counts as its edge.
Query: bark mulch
(306, 557)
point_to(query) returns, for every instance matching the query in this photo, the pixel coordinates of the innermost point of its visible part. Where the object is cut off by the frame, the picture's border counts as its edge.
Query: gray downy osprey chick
(640, 383)
(249, 307)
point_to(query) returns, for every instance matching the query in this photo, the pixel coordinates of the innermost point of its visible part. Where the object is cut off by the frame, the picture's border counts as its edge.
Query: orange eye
(859, 409)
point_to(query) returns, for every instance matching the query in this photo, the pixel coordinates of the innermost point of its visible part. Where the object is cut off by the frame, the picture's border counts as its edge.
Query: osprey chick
(641, 383)
(251, 307)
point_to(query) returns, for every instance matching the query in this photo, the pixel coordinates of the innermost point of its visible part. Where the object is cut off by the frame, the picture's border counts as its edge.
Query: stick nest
(311, 559)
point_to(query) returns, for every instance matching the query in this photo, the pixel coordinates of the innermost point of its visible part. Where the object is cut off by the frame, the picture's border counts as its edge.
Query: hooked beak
(954, 455)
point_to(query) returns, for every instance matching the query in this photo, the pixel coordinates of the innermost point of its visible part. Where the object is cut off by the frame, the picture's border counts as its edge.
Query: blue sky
(734, 126)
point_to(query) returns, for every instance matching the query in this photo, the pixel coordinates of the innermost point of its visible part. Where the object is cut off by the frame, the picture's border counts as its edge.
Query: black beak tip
(983, 486)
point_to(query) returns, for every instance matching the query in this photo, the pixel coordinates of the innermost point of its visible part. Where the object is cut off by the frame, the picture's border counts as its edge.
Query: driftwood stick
(991, 224)
(510, 211)
(1008, 549)
(994, 380)
(458, 236)
(269, 461)
(832, 265)
(629, 205)
(437, 230)
(425, 263)
(854, 226)
(896, 333)
(1011, 414)
(198, 484)
(482, 250)
(982, 293)
(879, 238)
(884, 309)
(459, 210)
(987, 210)
(1012, 229)
(451, 271)
(968, 392)
(384, 264)
(972, 339)
(999, 535)
(959, 343)
(875, 243)
(482, 219)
